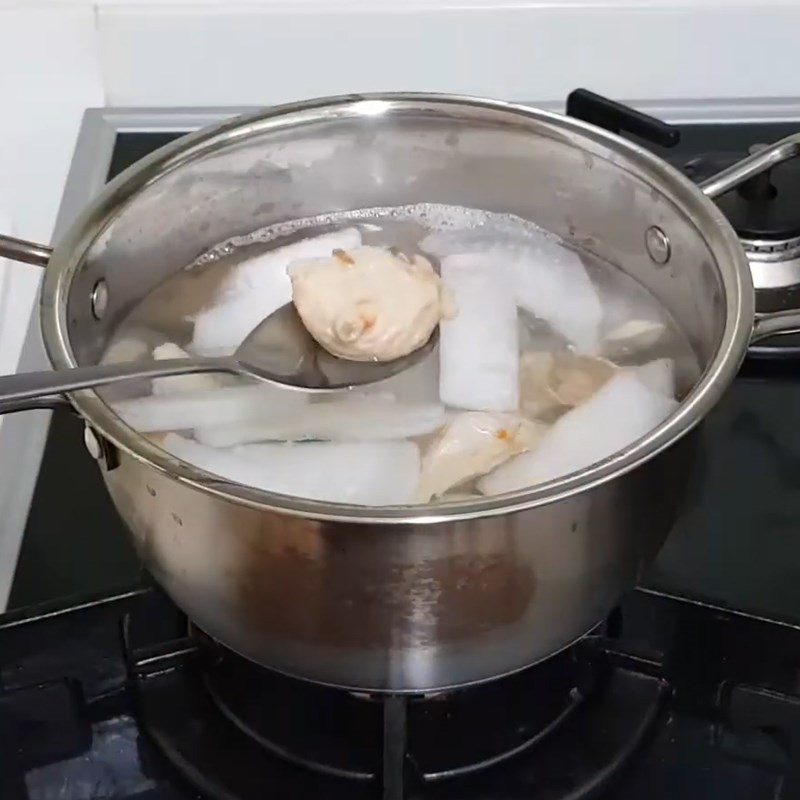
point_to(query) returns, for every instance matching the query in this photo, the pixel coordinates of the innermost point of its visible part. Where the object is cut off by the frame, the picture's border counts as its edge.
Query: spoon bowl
(281, 350)
(278, 350)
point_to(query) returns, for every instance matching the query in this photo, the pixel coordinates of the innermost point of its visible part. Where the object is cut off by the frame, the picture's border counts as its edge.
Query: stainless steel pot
(404, 598)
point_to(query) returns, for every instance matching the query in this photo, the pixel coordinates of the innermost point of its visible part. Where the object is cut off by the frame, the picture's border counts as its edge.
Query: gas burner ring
(774, 273)
(770, 250)
(774, 264)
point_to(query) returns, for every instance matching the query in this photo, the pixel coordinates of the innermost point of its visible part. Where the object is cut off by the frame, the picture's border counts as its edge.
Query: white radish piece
(370, 418)
(635, 334)
(128, 348)
(175, 384)
(362, 473)
(473, 443)
(186, 410)
(478, 239)
(552, 283)
(549, 279)
(658, 376)
(366, 473)
(619, 414)
(255, 288)
(479, 347)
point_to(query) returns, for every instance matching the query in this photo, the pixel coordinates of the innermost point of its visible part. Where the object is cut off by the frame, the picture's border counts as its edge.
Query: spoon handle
(28, 385)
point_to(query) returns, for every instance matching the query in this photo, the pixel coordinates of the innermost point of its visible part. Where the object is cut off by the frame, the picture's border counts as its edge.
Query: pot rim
(708, 220)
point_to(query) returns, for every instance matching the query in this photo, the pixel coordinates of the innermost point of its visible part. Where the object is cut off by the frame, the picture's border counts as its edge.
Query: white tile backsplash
(49, 73)
(19, 284)
(214, 54)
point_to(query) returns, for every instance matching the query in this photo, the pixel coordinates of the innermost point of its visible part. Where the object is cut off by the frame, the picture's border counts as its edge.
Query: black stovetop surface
(691, 696)
(112, 699)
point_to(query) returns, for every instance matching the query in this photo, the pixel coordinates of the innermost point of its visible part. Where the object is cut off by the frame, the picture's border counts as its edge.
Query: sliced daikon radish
(175, 384)
(549, 279)
(186, 410)
(633, 335)
(349, 419)
(128, 348)
(364, 473)
(552, 283)
(479, 347)
(658, 376)
(619, 414)
(255, 288)
(169, 350)
(473, 443)
(478, 239)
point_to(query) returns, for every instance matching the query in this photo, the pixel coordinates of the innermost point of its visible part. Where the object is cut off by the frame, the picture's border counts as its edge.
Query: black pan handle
(616, 118)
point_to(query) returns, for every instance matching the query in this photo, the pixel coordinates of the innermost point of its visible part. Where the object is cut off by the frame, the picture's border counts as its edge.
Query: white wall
(165, 53)
(49, 72)
(204, 54)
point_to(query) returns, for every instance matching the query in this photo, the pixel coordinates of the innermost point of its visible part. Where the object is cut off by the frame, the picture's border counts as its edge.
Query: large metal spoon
(279, 350)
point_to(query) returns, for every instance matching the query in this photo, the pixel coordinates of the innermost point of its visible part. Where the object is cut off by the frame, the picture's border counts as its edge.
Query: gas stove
(118, 697)
(688, 690)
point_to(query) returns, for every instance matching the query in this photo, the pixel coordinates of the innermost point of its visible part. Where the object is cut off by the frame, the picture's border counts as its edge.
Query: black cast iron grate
(111, 699)
(562, 729)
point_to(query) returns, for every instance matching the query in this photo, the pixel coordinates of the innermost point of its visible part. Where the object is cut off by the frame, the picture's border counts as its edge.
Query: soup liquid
(166, 314)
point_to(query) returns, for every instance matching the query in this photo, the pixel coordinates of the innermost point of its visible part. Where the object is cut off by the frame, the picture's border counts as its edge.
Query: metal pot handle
(53, 402)
(780, 322)
(775, 323)
(22, 250)
(751, 166)
(39, 255)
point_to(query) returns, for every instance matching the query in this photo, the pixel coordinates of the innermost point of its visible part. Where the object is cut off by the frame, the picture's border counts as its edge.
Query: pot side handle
(53, 402)
(22, 250)
(38, 255)
(751, 166)
(775, 324)
(779, 322)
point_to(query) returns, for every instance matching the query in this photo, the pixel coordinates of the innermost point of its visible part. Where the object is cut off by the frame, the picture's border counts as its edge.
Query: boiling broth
(170, 314)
